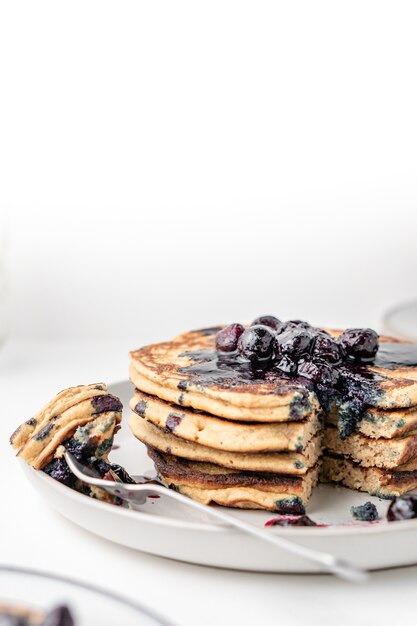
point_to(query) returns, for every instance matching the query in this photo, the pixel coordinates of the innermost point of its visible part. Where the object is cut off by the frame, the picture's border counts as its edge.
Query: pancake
(222, 434)
(167, 371)
(377, 423)
(208, 483)
(37, 442)
(384, 483)
(281, 462)
(386, 453)
(188, 371)
(60, 403)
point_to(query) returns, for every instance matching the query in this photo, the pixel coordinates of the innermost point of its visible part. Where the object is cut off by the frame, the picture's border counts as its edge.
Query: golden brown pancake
(277, 462)
(160, 369)
(207, 483)
(188, 371)
(386, 453)
(384, 483)
(222, 434)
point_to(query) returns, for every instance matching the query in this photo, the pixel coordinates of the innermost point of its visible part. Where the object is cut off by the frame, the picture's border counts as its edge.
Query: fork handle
(339, 567)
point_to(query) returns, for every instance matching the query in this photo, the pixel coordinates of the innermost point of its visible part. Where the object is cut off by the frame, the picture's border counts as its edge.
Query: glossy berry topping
(294, 342)
(317, 371)
(257, 343)
(365, 512)
(268, 320)
(287, 364)
(227, 338)
(327, 349)
(402, 508)
(360, 344)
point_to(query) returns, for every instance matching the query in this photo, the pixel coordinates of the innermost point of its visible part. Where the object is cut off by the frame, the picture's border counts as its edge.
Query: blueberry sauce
(303, 359)
(291, 520)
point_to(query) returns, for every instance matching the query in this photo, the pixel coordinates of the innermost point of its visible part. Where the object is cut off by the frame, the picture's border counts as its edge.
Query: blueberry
(297, 324)
(318, 371)
(327, 349)
(58, 617)
(402, 508)
(256, 343)
(286, 364)
(365, 512)
(294, 342)
(227, 337)
(360, 344)
(268, 320)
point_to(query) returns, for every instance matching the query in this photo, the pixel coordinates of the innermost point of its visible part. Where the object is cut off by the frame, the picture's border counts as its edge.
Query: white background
(166, 165)
(169, 165)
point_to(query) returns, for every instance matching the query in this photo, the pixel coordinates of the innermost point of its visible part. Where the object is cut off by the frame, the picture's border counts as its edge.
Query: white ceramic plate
(170, 530)
(89, 606)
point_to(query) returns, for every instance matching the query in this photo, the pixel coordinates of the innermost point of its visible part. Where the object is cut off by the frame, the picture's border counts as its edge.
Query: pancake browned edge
(207, 483)
(223, 434)
(168, 370)
(384, 483)
(277, 462)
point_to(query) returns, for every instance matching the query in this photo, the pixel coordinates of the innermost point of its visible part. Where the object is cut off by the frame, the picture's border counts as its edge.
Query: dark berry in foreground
(294, 342)
(360, 344)
(268, 320)
(365, 512)
(327, 349)
(257, 343)
(318, 371)
(227, 338)
(402, 508)
(58, 617)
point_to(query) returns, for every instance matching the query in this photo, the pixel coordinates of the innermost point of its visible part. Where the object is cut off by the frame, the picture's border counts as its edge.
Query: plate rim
(336, 530)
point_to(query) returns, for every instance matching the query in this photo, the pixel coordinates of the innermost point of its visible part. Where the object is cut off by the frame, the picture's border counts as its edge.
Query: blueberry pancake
(190, 371)
(208, 483)
(37, 444)
(383, 483)
(186, 371)
(278, 462)
(84, 423)
(222, 408)
(222, 434)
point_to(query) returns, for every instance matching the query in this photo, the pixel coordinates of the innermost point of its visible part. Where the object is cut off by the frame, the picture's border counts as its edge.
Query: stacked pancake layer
(219, 434)
(380, 458)
(239, 444)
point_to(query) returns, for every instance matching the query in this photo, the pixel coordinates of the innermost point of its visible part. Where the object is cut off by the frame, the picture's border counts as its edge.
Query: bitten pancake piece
(207, 483)
(224, 434)
(379, 482)
(277, 462)
(37, 446)
(387, 453)
(189, 371)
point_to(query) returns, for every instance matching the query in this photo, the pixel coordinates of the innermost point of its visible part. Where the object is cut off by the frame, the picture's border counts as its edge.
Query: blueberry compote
(402, 508)
(294, 355)
(290, 520)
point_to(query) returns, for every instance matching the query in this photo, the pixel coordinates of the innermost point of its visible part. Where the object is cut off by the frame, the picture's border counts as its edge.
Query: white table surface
(33, 535)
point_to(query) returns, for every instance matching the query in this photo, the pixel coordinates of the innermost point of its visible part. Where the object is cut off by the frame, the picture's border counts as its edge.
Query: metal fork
(138, 492)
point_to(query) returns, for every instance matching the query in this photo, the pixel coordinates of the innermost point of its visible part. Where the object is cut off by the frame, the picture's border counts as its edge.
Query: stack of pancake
(219, 435)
